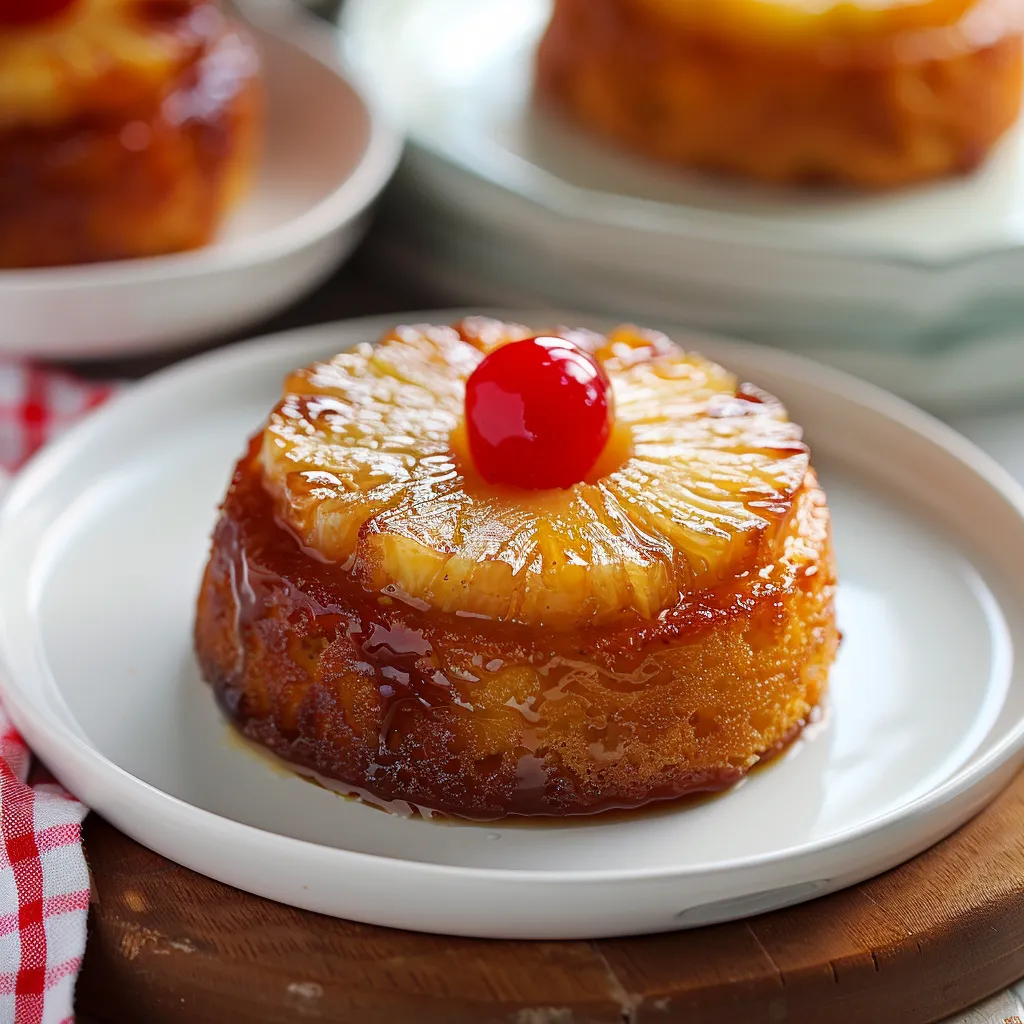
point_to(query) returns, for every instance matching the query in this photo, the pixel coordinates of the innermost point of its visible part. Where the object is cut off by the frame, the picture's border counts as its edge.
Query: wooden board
(914, 945)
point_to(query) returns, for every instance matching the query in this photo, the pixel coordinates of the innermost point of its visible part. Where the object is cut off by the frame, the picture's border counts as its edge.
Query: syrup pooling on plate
(370, 682)
(801, 733)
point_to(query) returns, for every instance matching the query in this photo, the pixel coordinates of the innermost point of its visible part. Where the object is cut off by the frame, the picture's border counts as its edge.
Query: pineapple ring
(365, 461)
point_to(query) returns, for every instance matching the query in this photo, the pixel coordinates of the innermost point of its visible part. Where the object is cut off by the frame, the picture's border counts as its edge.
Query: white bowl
(327, 156)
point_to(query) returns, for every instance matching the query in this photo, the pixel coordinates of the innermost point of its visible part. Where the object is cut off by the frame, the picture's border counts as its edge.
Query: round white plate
(459, 73)
(327, 154)
(883, 283)
(103, 540)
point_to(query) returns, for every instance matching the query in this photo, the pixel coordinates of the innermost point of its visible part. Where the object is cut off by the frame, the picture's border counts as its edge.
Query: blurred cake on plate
(866, 93)
(127, 127)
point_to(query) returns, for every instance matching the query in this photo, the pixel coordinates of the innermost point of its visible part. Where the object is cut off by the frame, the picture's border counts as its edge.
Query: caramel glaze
(482, 719)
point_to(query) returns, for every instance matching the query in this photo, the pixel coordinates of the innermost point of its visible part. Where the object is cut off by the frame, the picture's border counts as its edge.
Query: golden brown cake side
(483, 719)
(873, 111)
(144, 165)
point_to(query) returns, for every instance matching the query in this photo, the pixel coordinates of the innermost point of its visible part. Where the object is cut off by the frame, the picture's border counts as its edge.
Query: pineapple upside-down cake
(127, 127)
(486, 572)
(868, 93)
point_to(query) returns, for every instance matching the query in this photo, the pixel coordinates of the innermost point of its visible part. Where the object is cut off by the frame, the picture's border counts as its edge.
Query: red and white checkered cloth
(44, 891)
(44, 881)
(36, 404)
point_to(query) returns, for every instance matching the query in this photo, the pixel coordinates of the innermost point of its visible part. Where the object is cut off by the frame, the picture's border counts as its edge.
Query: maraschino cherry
(538, 414)
(25, 12)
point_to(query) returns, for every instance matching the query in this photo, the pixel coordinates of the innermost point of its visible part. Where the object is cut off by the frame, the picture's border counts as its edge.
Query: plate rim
(894, 368)
(802, 370)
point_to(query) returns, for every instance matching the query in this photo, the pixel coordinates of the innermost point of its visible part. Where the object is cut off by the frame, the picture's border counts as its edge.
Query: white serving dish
(103, 538)
(886, 285)
(327, 155)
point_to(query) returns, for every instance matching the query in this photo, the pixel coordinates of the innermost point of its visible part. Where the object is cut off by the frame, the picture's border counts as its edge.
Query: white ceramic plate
(887, 285)
(103, 540)
(459, 73)
(468, 266)
(327, 155)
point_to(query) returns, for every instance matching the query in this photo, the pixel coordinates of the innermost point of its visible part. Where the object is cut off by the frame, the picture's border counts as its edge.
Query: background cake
(127, 127)
(872, 93)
